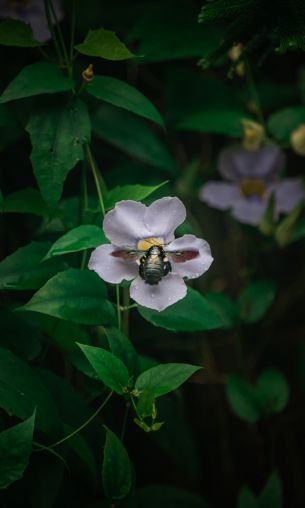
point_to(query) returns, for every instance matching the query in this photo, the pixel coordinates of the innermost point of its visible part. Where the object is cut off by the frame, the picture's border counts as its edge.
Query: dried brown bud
(253, 134)
(297, 139)
(234, 54)
(88, 73)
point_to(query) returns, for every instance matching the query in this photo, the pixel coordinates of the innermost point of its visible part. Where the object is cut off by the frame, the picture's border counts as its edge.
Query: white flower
(133, 229)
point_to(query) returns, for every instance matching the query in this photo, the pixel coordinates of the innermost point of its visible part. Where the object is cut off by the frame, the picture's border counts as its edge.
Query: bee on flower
(144, 250)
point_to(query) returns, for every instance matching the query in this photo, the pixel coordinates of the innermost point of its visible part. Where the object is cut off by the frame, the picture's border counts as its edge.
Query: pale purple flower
(133, 228)
(31, 12)
(252, 176)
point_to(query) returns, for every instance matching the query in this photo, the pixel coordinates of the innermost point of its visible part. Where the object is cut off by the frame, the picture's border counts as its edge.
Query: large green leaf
(58, 130)
(25, 201)
(104, 44)
(255, 300)
(121, 94)
(117, 471)
(75, 295)
(242, 399)
(16, 33)
(191, 314)
(36, 79)
(272, 493)
(109, 369)
(22, 389)
(15, 451)
(134, 192)
(24, 270)
(80, 238)
(283, 122)
(165, 378)
(123, 349)
(133, 136)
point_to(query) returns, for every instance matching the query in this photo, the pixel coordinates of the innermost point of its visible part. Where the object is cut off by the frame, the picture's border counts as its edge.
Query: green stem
(61, 38)
(254, 94)
(73, 20)
(124, 308)
(52, 31)
(118, 307)
(96, 179)
(53, 452)
(81, 427)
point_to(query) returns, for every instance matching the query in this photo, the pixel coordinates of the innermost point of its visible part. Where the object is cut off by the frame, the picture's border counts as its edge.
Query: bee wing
(131, 255)
(181, 257)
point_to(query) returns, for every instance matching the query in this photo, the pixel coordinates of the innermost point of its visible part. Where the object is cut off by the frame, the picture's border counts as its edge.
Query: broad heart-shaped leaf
(283, 122)
(123, 349)
(191, 314)
(117, 472)
(25, 201)
(110, 369)
(80, 238)
(135, 192)
(272, 390)
(23, 269)
(75, 295)
(165, 378)
(15, 33)
(121, 94)
(104, 44)
(246, 499)
(272, 493)
(58, 129)
(133, 136)
(15, 451)
(202, 103)
(255, 300)
(36, 79)
(22, 389)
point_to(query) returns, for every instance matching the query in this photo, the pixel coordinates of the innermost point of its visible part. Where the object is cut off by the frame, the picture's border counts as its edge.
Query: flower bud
(253, 134)
(297, 139)
(88, 73)
(234, 54)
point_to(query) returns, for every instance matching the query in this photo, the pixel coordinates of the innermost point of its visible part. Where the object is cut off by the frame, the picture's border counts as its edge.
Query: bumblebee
(154, 263)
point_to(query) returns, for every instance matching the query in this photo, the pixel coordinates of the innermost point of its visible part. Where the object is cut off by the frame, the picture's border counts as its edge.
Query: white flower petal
(219, 195)
(163, 216)
(168, 291)
(249, 212)
(124, 225)
(109, 268)
(194, 267)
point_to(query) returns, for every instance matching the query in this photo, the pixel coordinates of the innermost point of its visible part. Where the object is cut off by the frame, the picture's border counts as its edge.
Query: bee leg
(141, 268)
(167, 267)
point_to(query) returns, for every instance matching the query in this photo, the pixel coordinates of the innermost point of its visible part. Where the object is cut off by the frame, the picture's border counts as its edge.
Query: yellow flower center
(252, 187)
(147, 243)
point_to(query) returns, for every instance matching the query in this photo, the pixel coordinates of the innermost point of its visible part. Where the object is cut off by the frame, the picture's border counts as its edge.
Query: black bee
(154, 263)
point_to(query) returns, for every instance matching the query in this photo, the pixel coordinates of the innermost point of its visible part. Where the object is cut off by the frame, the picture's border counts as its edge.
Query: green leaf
(242, 399)
(165, 378)
(146, 401)
(191, 314)
(255, 300)
(74, 295)
(15, 451)
(283, 122)
(216, 121)
(104, 44)
(134, 192)
(133, 136)
(110, 369)
(58, 130)
(163, 496)
(123, 349)
(273, 391)
(272, 494)
(224, 306)
(82, 450)
(25, 201)
(36, 79)
(24, 270)
(80, 238)
(21, 390)
(285, 231)
(246, 499)
(121, 94)
(19, 336)
(266, 225)
(15, 33)
(117, 469)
